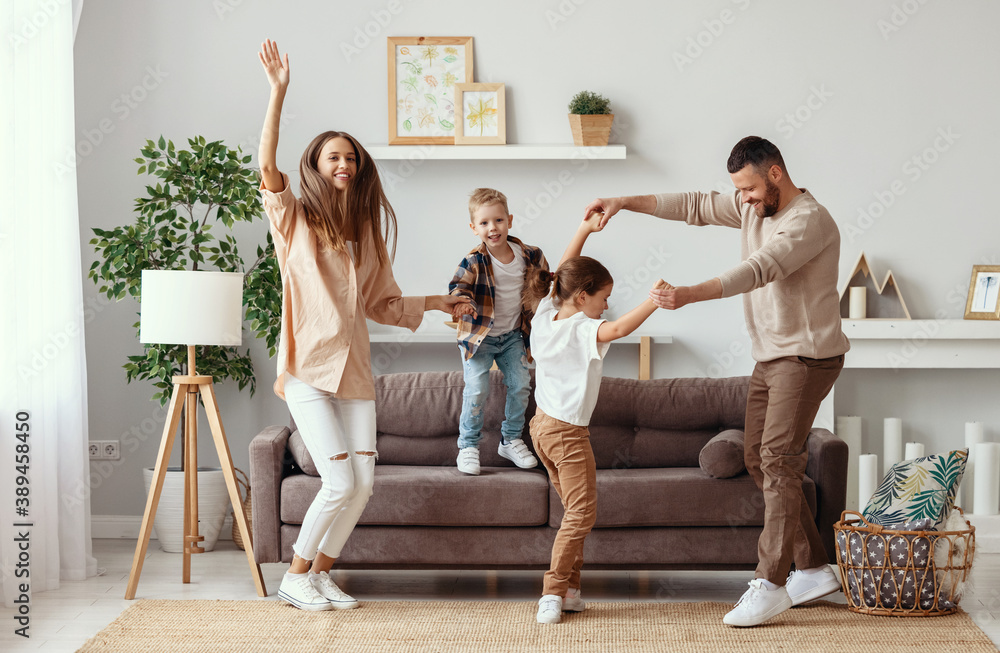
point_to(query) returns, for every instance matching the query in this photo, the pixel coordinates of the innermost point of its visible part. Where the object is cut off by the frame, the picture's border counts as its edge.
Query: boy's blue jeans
(507, 350)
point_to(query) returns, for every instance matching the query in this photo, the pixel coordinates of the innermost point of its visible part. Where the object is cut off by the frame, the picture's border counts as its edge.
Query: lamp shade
(182, 307)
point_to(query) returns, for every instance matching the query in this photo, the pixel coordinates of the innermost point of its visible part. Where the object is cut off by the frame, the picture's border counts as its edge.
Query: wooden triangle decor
(881, 305)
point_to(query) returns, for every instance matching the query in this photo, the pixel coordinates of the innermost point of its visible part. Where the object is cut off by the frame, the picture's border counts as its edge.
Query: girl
(569, 340)
(335, 272)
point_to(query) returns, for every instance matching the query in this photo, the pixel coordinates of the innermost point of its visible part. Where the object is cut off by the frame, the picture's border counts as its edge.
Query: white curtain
(43, 375)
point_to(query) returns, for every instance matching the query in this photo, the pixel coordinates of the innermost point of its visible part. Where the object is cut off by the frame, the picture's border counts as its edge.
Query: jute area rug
(488, 626)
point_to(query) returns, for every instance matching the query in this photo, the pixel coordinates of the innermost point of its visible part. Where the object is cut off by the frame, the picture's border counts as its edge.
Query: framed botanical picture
(481, 117)
(423, 71)
(984, 293)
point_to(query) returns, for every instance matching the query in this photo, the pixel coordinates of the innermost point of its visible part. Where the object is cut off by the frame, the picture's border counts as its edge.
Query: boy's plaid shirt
(474, 279)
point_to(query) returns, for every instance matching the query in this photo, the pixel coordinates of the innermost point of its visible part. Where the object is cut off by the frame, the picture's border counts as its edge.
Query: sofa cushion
(722, 457)
(676, 496)
(301, 456)
(412, 495)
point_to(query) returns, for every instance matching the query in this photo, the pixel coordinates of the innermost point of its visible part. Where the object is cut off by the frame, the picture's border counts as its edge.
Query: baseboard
(126, 527)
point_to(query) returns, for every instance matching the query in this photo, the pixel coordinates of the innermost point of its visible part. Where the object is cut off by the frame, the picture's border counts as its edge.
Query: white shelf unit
(923, 344)
(515, 151)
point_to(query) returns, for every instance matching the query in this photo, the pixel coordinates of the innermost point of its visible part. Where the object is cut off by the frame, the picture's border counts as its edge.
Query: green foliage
(196, 190)
(587, 103)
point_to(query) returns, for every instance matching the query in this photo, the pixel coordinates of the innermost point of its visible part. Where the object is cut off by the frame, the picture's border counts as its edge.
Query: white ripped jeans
(340, 437)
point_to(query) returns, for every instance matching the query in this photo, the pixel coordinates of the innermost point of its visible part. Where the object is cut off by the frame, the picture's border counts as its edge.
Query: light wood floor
(64, 619)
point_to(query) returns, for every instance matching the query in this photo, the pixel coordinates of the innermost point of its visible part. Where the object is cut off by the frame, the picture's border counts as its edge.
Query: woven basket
(243, 486)
(922, 576)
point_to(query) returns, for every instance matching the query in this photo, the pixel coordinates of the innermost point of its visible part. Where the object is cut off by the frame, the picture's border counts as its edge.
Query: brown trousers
(565, 451)
(782, 403)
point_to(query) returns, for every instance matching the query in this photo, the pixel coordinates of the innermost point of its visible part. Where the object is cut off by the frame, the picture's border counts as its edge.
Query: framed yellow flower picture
(480, 114)
(423, 72)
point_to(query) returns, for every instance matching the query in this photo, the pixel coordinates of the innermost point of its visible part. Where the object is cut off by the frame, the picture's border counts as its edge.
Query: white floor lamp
(191, 308)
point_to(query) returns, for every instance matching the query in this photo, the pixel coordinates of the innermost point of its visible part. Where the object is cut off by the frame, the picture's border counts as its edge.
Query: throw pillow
(722, 456)
(922, 488)
(301, 455)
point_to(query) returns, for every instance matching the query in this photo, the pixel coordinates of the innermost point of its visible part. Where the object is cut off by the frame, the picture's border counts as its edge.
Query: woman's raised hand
(270, 59)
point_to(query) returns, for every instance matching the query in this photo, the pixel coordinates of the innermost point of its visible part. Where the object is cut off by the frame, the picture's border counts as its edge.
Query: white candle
(892, 443)
(858, 309)
(914, 450)
(987, 488)
(867, 477)
(973, 436)
(849, 430)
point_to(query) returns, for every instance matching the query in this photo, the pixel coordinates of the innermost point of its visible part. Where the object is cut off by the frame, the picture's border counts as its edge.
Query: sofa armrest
(268, 453)
(827, 467)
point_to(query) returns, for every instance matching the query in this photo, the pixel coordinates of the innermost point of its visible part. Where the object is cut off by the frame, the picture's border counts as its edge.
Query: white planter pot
(213, 504)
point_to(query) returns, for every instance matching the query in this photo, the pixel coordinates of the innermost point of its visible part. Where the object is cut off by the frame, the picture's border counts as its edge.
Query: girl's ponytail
(537, 282)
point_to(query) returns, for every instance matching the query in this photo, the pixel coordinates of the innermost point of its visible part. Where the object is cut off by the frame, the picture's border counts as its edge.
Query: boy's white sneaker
(468, 460)
(517, 452)
(810, 584)
(757, 605)
(297, 590)
(549, 609)
(573, 601)
(338, 598)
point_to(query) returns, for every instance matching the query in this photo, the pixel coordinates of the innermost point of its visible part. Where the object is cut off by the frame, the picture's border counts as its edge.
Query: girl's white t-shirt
(569, 363)
(508, 283)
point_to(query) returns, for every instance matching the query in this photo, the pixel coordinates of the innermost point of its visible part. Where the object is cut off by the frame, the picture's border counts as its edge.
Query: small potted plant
(590, 119)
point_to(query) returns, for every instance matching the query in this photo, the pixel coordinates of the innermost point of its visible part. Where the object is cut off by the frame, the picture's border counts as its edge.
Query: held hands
(270, 59)
(444, 303)
(666, 296)
(605, 207)
(592, 223)
(460, 310)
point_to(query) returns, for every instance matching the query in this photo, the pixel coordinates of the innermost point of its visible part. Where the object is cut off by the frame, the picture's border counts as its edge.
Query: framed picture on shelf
(984, 293)
(423, 71)
(481, 117)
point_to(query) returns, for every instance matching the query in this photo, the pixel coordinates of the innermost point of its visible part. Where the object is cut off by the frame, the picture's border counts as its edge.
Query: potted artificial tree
(590, 119)
(206, 186)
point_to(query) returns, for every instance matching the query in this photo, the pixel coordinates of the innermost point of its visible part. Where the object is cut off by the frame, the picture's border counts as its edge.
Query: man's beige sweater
(788, 276)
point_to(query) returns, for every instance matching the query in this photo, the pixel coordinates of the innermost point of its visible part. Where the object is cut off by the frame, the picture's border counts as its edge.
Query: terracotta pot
(591, 130)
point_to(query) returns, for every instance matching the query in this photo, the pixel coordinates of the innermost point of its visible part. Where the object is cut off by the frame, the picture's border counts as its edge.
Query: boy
(494, 327)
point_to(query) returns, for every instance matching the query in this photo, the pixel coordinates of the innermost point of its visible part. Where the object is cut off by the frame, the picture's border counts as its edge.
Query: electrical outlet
(104, 450)
(110, 449)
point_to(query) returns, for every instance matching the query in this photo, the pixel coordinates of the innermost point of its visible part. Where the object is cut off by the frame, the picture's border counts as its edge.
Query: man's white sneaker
(517, 452)
(573, 601)
(339, 600)
(297, 590)
(810, 584)
(468, 461)
(757, 605)
(549, 609)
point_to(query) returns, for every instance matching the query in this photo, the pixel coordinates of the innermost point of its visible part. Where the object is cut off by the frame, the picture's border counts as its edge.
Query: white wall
(869, 94)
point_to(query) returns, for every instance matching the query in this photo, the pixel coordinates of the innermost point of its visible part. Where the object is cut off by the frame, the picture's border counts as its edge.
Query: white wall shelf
(923, 344)
(516, 151)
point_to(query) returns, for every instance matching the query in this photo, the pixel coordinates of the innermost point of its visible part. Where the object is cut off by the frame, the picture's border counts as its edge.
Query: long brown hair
(331, 213)
(580, 273)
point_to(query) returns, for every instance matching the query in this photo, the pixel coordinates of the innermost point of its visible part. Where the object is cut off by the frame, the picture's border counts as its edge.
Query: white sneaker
(757, 605)
(468, 461)
(517, 452)
(549, 609)
(573, 601)
(298, 591)
(339, 600)
(808, 585)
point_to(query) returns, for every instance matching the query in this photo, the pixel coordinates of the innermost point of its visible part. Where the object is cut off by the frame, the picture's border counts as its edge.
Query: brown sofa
(657, 508)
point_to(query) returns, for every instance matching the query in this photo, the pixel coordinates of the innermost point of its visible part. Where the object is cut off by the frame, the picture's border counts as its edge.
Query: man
(788, 278)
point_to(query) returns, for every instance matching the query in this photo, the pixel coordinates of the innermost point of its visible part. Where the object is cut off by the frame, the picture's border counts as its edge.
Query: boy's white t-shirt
(569, 363)
(508, 279)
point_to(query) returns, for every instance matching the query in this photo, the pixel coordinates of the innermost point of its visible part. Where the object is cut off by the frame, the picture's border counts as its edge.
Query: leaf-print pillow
(922, 488)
